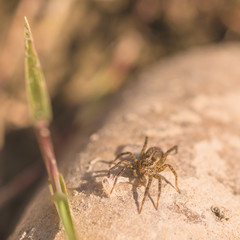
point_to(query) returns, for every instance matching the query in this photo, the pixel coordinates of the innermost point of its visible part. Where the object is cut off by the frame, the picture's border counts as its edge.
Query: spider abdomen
(152, 156)
(155, 153)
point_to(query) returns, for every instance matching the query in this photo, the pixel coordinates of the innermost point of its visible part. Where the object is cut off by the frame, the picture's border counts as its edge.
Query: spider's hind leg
(115, 166)
(133, 158)
(128, 165)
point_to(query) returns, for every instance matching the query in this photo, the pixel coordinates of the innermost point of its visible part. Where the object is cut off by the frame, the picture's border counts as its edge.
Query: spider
(150, 163)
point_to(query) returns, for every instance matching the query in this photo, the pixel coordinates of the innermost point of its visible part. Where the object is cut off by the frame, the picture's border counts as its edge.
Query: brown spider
(150, 163)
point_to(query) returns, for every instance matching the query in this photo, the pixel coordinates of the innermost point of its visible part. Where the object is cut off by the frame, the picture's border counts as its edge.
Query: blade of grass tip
(36, 88)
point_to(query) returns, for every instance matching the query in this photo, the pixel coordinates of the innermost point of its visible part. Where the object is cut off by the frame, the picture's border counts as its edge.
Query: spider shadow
(89, 183)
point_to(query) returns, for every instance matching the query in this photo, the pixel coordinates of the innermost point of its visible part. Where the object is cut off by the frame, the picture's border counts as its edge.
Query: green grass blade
(62, 183)
(36, 87)
(61, 202)
(62, 205)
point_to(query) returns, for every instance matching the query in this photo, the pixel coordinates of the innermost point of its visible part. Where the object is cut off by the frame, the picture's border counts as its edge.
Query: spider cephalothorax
(150, 163)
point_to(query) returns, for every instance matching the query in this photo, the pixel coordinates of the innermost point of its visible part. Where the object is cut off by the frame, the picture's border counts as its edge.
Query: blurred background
(89, 51)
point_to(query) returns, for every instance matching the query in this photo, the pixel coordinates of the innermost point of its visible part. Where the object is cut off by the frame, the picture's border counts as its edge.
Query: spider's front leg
(146, 192)
(144, 147)
(174, 148)
(162, 168)
(159, 189)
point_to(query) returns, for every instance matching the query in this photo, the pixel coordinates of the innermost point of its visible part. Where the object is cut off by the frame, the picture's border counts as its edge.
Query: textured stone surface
(190, 100)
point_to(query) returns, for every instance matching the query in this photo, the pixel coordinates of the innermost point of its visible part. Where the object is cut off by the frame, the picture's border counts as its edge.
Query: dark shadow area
(20, 174)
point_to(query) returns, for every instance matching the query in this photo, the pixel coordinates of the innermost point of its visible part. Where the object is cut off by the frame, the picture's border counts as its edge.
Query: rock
(190, 100)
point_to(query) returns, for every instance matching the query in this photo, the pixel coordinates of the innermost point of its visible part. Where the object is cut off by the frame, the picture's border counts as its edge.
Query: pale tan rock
(190, 100)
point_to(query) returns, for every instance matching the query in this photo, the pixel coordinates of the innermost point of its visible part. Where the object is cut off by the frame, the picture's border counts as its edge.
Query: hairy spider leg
(116, 165)
(173, 171)
(116, 178)
(174, 148)
(144, 147)
(146, 192)
(164, 157)
(133, 158)
(159, 189)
